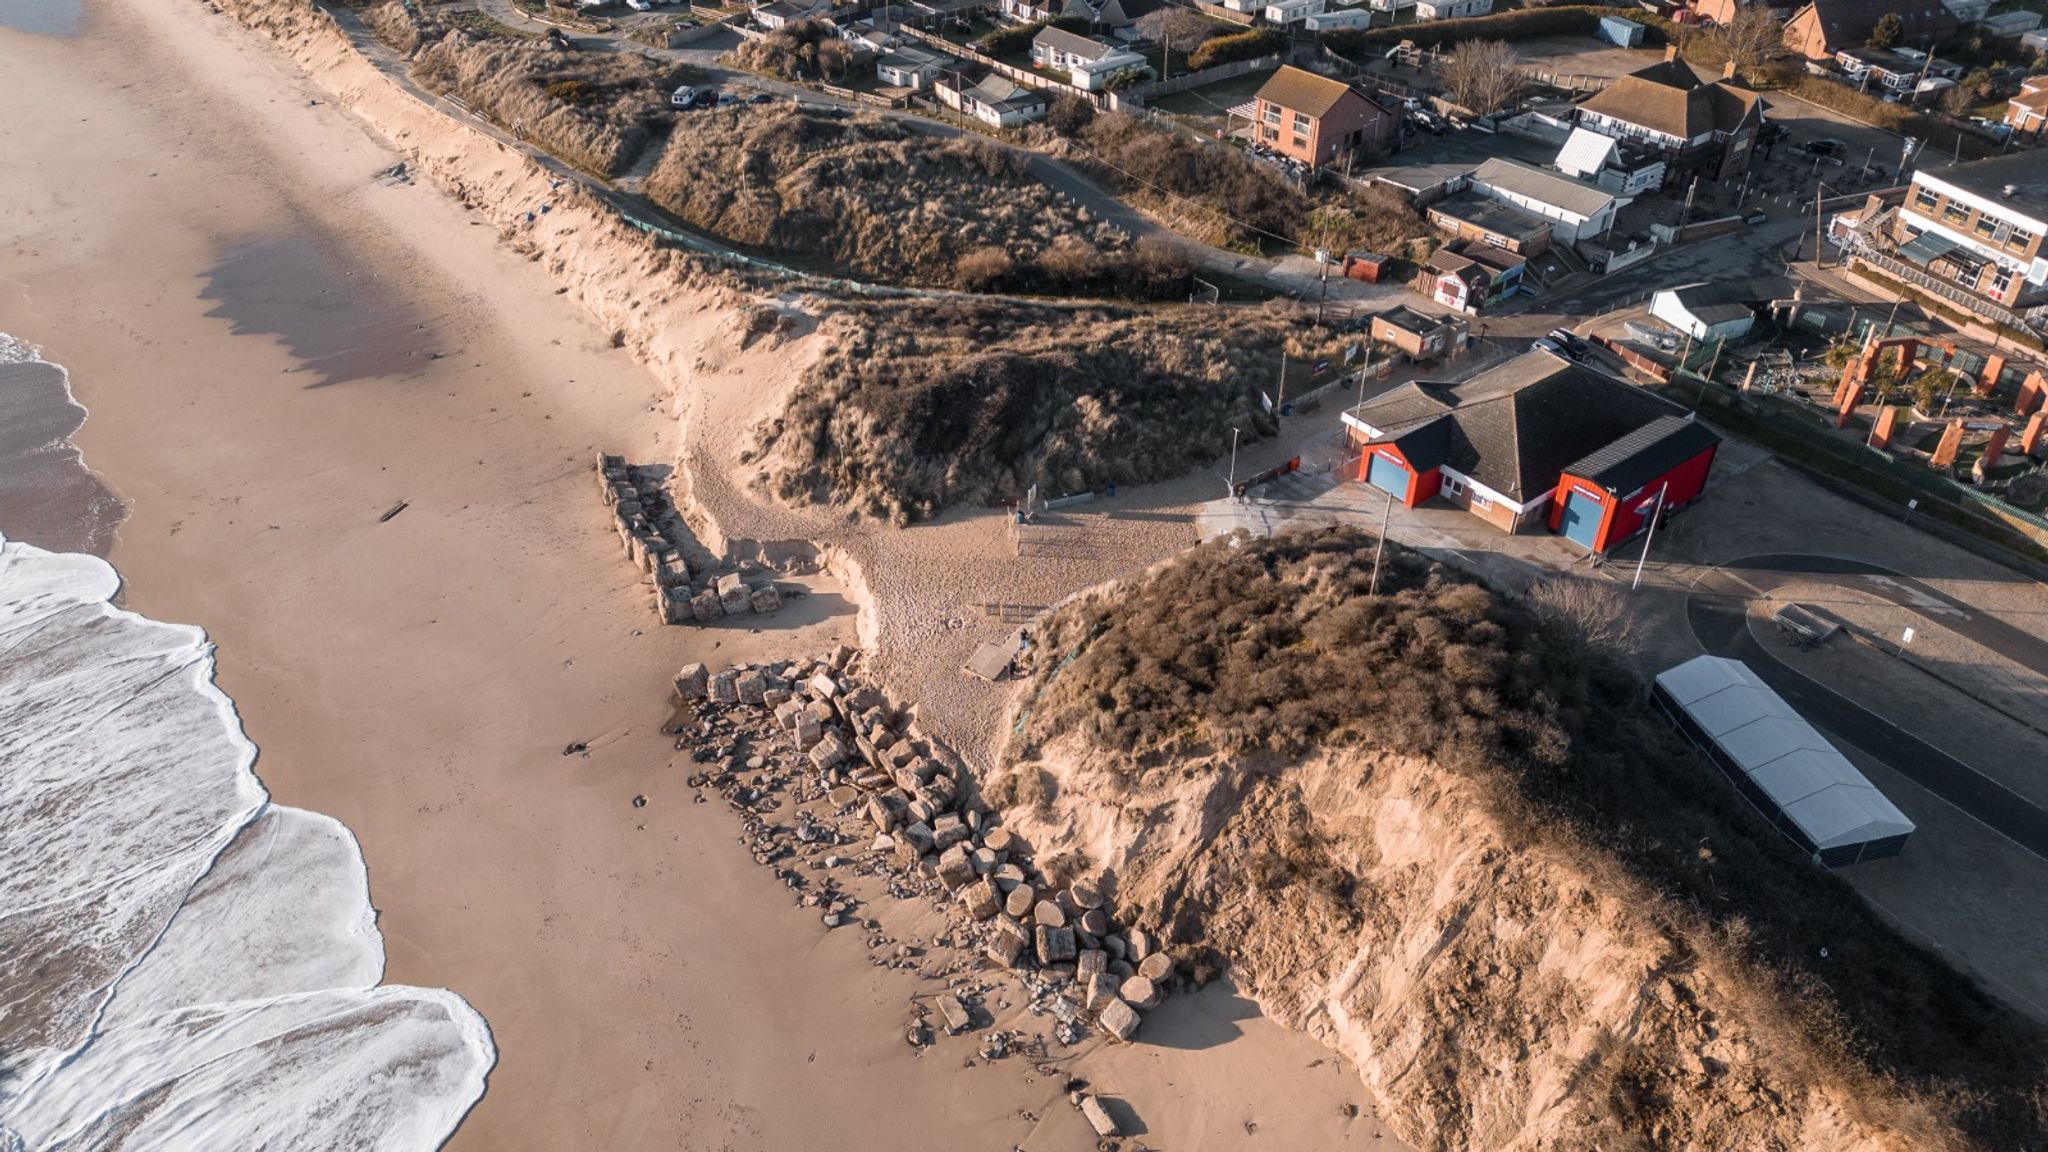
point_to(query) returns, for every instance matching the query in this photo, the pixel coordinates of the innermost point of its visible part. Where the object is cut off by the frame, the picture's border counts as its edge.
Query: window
(2019, 241)
(1272, 114)
(1925, 201)
(1956, 213)
(1301, 141)
(1301, 123)
(1452, 484)
(1985, 226)
(2001, 280)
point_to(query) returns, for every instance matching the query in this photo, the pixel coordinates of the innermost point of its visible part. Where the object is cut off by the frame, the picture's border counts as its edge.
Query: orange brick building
(1317, 120)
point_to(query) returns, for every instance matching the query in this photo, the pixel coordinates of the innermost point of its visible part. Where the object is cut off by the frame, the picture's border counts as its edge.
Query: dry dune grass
(921, 405)
(1271, 652)
(597, 110)
(877, 200)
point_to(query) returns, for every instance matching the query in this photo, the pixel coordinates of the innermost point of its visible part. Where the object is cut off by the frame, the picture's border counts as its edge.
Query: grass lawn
(1213, 99)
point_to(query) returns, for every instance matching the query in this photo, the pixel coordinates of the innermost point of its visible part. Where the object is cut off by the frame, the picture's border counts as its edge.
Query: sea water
(183, 964)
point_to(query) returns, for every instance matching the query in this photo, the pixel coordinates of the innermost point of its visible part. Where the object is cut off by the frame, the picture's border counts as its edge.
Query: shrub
(1068, 113)
(1212, 192)
(572, 91)
(803, 49)
(1247, 45)
(984, 268)
(867, 196)
(927, 405)
(619, 98)
(1008, 41)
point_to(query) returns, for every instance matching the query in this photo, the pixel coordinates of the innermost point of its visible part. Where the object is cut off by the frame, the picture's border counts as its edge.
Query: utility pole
(1233, 463)
(1651, 538)
(1323, 262)
(1380, 548)
(1817, 185)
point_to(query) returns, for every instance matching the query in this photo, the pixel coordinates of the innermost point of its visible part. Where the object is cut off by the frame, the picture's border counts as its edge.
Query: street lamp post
(1233, 462)
(1651, 538)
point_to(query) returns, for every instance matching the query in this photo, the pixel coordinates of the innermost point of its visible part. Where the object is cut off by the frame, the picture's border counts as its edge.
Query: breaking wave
(184, 964)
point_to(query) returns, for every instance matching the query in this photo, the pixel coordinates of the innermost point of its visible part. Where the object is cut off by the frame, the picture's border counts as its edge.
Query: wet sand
(48, 496)
(647, 985)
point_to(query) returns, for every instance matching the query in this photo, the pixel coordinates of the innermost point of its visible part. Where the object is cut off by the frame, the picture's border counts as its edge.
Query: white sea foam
(182, 964)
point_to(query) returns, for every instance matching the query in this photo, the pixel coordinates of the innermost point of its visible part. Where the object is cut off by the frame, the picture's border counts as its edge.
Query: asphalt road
(1717, 612)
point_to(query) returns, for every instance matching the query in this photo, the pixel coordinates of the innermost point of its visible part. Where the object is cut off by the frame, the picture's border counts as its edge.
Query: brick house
(1980, 225)
(1317, 120)
(2028, 111)
(1824, 27)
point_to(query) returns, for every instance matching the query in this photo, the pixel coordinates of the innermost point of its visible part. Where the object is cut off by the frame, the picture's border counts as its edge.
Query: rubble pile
(649, 526)
(831, 777)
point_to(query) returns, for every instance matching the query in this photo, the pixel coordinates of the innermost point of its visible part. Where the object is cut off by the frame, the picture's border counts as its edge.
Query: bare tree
(1184, 27)
(1955, 100)
(1483, 75)
(1591, 615)
(1753, 38)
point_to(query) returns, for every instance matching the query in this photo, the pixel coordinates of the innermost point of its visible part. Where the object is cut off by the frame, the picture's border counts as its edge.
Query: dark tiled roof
(1848, 23)
(1515, 427)
(1426, 445)
(1492, 216)
(1645, 454)
(1409, 320)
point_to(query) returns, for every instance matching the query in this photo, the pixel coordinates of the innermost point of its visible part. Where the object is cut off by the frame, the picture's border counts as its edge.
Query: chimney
(1670, 53)
(1728, 70)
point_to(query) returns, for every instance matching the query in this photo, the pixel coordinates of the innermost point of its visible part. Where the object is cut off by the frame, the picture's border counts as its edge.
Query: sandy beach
(276, 348)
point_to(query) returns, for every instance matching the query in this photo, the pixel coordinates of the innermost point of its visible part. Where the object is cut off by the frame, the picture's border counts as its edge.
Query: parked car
(688, 97)
(1546, 344)
(761, 98)
(640, 5)
(1574, 347)
(1755, 218)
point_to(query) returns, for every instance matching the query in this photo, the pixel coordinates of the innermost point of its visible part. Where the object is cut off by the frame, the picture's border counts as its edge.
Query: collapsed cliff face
(1401, 821)
(1493, 997)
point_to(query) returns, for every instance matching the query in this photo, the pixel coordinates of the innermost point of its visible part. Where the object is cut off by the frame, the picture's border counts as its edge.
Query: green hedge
(1004, 41)
(1247, 45)
(1519, 23)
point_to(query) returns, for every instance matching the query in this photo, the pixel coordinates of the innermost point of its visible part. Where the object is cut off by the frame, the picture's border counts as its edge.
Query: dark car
(1754, 218)
(761, 98)
(1574, 347)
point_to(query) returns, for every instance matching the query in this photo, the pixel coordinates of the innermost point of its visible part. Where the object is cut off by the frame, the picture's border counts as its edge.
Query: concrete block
(828, 752)
(725, 687)
(1118, 1019)
(1055, 945)
(692, 682)
(955, 870)
(1140, 992)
